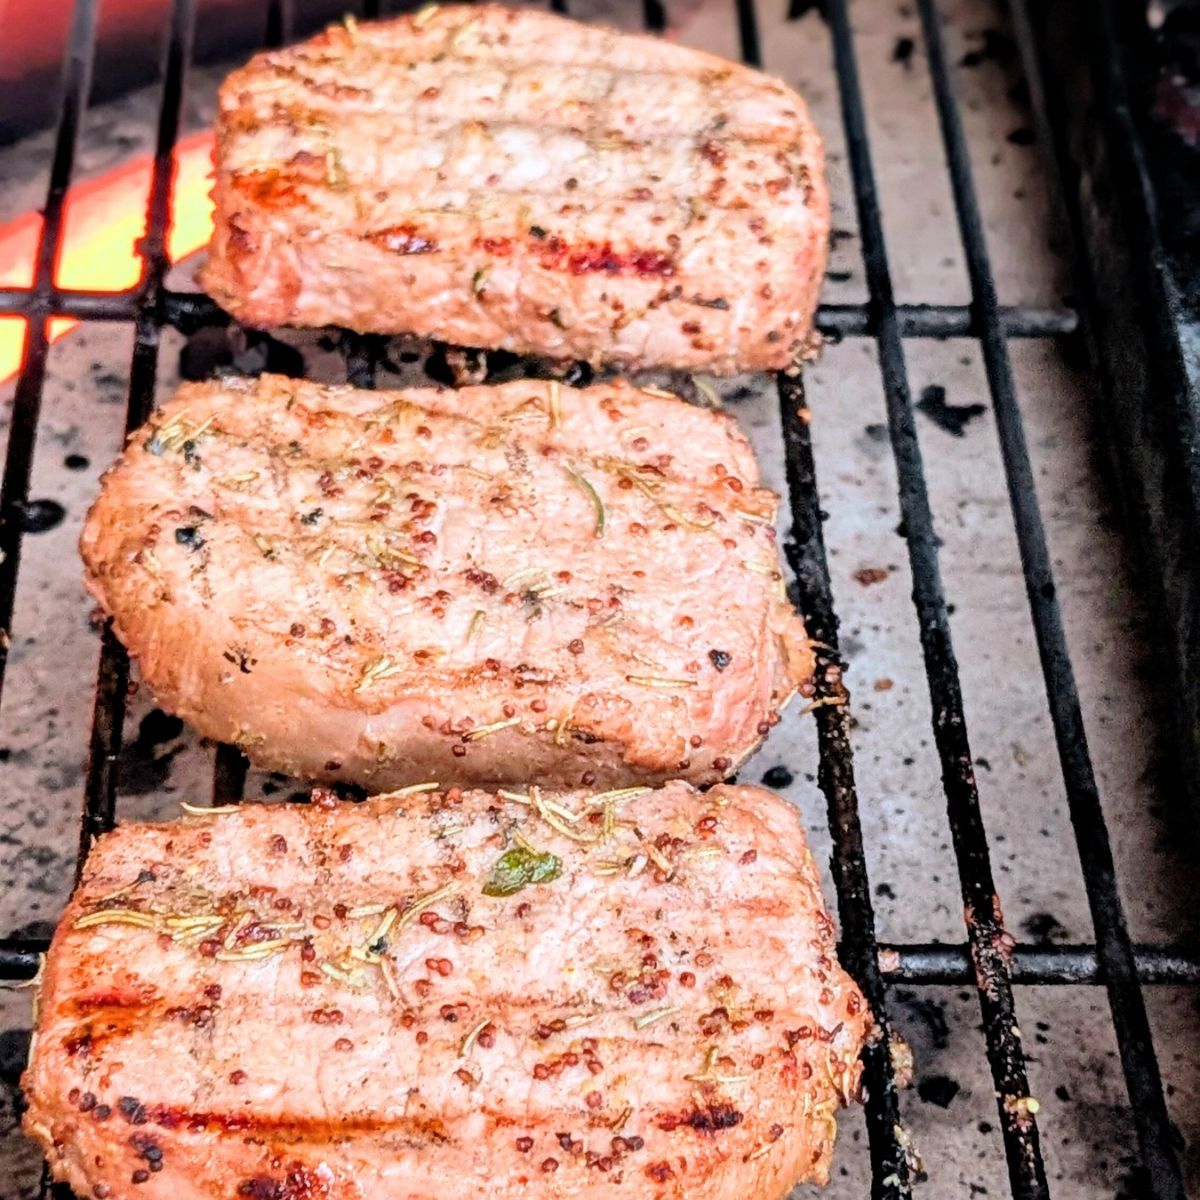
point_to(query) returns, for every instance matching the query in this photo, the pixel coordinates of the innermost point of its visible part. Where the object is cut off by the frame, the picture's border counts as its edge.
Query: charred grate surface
(989, 959)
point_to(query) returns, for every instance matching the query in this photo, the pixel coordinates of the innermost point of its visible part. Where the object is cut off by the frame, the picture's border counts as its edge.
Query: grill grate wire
(989, 958)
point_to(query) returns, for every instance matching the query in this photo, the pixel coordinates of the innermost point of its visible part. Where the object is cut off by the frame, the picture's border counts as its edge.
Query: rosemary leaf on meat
(625, 793)
(335, 173)
(707, 391)
(476, 624)
(118, 916)
(650, 1018)
(419, 906)
(381, 668)
(659, 681)
(482, 731)
(413, 789)
(594, 496)
(465, 1045)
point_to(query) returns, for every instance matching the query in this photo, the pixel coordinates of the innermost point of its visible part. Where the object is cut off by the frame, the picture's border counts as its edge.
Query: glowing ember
(103, 220)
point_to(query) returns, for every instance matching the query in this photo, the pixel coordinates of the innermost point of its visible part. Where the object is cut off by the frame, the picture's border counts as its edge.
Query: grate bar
(990, 942)
(914, 963)
(946, 321)
(806, 554)
(654, 16)
(281, 22)
(187, 310)
(27, 399)
(747, 21)
(1063, 964)
(229, 776)
(58, 302)
(363, 353)
(104, 745)
(1115, 950)
(100, 786)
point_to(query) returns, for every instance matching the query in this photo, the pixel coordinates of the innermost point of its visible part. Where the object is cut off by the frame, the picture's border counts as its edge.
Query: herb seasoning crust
(488, 585)
(510, 178)
(631, 994)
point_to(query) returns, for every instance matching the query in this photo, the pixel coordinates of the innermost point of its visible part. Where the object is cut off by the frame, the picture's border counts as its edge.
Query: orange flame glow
(102, 221)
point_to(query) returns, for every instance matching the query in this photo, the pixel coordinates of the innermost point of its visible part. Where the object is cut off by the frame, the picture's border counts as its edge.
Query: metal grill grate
(988, 959)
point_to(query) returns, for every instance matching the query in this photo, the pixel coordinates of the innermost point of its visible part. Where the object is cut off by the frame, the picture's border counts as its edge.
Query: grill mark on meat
(621, 182)
(272, 189)
(300, 1183)
(579, 260)
(557, 255)
(402, 239)
(295, 1129)
(113, 998)
(77, 1044)
(284, 1127)
(332, 89)
(709, 1119)
(92, 1039)
(530, 1006)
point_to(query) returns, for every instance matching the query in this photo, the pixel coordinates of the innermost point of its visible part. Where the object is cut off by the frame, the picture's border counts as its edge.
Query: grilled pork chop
(488, 585)
(509, 178)
(449, 995)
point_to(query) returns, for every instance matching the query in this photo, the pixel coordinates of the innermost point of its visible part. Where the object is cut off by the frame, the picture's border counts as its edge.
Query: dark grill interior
(988, 958)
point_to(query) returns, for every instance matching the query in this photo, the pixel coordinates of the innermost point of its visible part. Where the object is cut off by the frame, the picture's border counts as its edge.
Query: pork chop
(449, 995)
(487, 585)
(510, 178)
